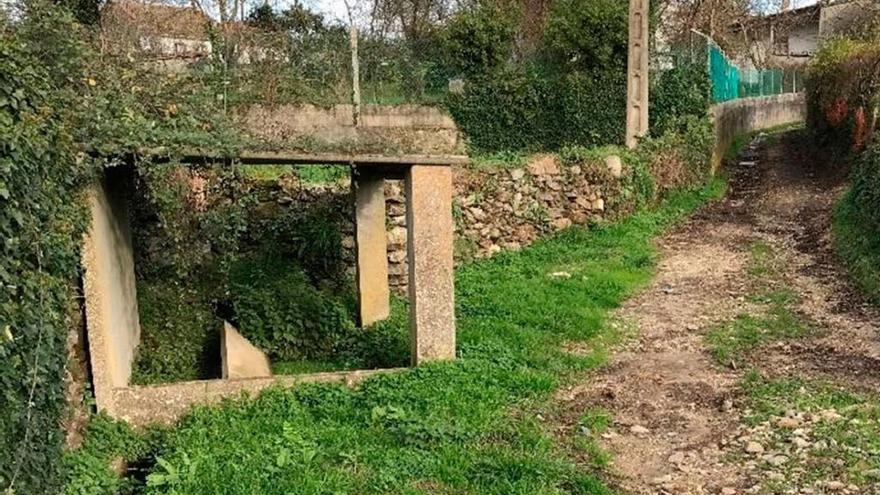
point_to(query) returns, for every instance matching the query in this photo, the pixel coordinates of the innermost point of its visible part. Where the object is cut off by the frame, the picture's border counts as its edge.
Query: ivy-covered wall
(41, 224)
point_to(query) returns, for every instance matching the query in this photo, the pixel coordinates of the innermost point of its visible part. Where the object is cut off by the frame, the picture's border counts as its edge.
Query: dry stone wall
(495, 209)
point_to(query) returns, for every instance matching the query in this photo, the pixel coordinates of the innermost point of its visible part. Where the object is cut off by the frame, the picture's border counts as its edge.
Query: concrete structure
(374, 294)
(239, 358)
(109, 285)
(381, 129)
(112, 324)
(637, 72)
(429, 253)
(738, 117)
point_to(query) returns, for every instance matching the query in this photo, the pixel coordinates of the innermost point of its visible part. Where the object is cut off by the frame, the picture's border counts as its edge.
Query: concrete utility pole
(637, 73)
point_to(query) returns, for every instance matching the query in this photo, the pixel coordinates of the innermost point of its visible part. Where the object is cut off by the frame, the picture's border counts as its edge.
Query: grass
(309, 174)
(858, 247)
(773, 319)
(842, 429)
(441, 428)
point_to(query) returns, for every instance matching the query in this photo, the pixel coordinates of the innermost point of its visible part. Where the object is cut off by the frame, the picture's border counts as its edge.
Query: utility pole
(637, 73)
(355, 67)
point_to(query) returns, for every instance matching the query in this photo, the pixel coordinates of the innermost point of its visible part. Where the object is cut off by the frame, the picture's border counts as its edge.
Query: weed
(442, 427)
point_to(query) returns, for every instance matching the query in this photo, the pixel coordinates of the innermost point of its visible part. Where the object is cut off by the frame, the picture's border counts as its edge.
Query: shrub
(41, 225)
(180, 338)
(525, 110)
(843, 88)
(480, 40)
(677, 93)
(682, 156)
(866, 186)
(588, 35)
(280, 311)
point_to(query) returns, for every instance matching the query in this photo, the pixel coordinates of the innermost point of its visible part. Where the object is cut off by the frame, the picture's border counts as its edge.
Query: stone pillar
(429, 250)
(372, 257)
(637, 72)
(112, 323)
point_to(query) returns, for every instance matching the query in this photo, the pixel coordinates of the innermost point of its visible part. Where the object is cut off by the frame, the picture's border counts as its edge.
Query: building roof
(155, 19)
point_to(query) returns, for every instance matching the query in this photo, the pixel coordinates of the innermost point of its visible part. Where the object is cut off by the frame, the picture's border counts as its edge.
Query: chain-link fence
(731, 81)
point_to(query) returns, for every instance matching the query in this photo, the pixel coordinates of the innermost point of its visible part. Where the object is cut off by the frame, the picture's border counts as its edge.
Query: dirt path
(678, 414)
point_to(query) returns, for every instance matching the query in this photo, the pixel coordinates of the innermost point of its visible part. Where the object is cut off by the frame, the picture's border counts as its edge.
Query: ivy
(41, 224)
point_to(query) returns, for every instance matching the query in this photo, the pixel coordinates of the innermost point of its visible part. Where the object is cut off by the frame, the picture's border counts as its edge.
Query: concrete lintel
(374, 295)
(430, 252)
(195, 156)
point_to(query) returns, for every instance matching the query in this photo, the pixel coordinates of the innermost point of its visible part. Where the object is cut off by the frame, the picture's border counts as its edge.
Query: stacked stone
(497, 209)
(507, 209)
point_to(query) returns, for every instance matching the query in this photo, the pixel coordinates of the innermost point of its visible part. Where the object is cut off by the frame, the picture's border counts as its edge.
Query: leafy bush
(42, 220)
(180, 337)
(279, 310)
(524, 109)
(480, 40)
(677, 93)
(843, 91)
(866, 186)
(682, 156)
(588, 35)
(857, 241)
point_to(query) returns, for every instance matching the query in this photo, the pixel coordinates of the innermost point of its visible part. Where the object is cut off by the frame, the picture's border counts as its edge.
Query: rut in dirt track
(676, 411)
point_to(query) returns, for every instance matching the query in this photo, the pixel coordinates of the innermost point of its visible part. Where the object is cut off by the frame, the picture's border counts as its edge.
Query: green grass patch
(309, 174)
(858, 246)
(773, 319)
(441, 428)
(839, 430)
(501, 159)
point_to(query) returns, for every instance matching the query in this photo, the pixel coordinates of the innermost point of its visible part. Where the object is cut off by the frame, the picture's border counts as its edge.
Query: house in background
(169, 35)
(791, 37)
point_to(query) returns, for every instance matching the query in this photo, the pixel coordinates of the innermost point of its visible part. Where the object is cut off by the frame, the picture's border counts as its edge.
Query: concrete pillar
(637, 72)
(112, 323)
(429, 249)
(372, 257)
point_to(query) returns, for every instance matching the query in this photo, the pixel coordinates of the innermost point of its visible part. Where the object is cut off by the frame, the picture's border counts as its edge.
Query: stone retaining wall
(494, 209)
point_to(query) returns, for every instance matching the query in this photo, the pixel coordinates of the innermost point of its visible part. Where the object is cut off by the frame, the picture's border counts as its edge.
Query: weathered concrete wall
(163, 404)
(382, 129)
(738, 117)
(112, 321)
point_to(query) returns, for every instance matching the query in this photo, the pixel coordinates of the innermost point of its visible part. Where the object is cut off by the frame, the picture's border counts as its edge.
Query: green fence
(730, 82)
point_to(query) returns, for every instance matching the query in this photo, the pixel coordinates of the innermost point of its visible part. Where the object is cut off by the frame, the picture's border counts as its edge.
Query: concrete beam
(430, 251)
(112, 323)
(637, 123)
(374, 296)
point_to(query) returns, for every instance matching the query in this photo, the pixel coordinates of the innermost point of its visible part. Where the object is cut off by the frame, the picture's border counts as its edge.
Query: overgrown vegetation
(571, 90)
(41, 223)
(858, 244)
(437, 428)
(67, 97)
(843, 101)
